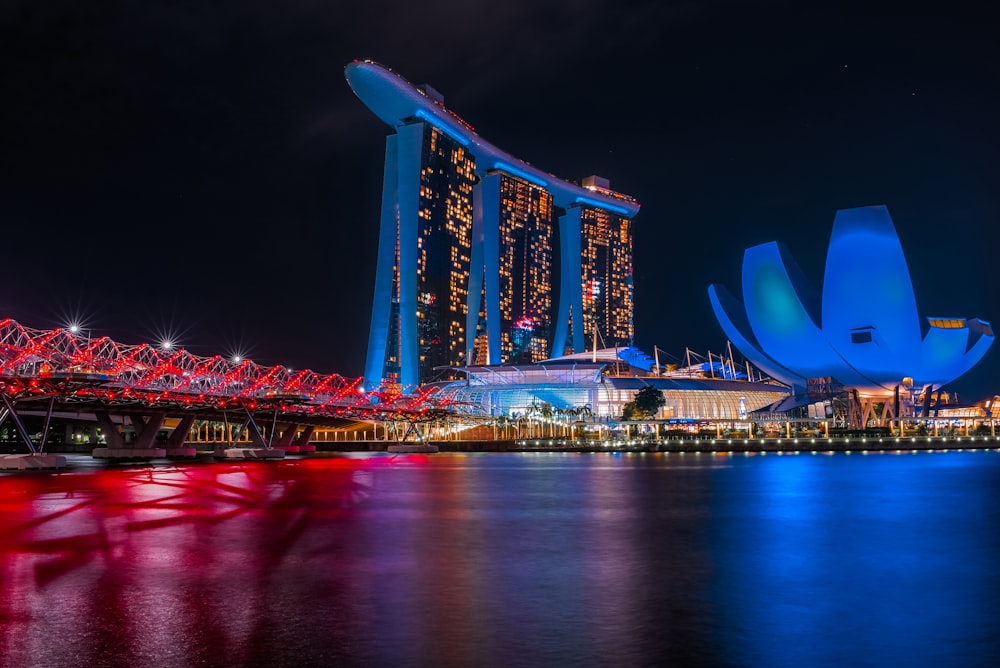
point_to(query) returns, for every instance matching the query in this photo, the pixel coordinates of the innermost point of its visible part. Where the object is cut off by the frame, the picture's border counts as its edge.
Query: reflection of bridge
(46, 371)
(137, 557)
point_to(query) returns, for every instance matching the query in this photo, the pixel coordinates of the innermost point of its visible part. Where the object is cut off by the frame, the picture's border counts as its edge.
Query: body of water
(498, 559)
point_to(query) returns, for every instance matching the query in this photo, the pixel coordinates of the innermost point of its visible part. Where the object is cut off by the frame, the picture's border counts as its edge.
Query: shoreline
(703, 445)
(718, 447)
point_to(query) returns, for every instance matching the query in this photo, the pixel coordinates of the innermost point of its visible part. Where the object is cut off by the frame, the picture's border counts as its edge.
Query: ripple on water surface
(506, 559)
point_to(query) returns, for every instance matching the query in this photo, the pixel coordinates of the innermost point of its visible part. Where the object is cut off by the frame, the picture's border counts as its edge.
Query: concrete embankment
(777, 445)
(687, 445)
(31, 462)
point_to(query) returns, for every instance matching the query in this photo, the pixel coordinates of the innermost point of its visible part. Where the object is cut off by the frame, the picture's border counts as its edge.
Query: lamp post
(76, 329)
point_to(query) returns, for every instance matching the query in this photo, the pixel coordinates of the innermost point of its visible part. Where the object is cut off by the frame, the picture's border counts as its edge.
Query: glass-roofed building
(599, 384)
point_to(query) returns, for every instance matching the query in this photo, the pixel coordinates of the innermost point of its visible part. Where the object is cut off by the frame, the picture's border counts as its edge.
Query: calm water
(506, 560)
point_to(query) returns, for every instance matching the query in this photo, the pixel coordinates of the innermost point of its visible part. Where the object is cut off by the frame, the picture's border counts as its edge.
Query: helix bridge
(47, 371)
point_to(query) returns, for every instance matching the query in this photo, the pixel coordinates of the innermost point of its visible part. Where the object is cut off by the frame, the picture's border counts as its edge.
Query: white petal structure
(864, 331)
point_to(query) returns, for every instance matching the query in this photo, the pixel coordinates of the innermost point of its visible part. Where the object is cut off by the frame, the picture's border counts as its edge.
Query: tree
(647, 402)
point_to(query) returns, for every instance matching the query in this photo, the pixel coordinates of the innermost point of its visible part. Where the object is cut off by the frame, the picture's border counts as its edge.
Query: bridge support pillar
(287, 436)
(175, 444)
(112, 437)
(252, 429)
(263, 449)
(35, 459)
(180, 434)
(285, 441)
(303, 440)
(146, 429)
(116, 444)
(292, 441)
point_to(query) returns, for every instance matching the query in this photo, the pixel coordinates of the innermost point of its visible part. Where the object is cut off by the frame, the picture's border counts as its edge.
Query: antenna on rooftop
(597, 333)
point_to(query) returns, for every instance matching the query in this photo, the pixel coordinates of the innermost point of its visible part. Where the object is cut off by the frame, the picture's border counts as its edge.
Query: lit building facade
(444, 247)
(603, 386)
(425, 246)
(466, 261)
(606, 274)
(515, 318)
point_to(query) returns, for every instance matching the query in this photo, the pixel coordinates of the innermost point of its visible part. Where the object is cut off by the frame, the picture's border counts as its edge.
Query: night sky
(203, 170)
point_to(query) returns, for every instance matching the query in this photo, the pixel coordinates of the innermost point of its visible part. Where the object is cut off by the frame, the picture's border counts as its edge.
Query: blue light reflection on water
(505, 559)
(860, 560)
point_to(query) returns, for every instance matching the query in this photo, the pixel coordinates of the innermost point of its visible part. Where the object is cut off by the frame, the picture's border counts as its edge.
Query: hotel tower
(467, 259)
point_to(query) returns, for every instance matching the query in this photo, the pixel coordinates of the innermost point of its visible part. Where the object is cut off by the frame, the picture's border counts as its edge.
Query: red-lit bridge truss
(58, 365)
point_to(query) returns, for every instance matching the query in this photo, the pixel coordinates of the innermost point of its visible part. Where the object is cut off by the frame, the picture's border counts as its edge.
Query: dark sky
(203, 169)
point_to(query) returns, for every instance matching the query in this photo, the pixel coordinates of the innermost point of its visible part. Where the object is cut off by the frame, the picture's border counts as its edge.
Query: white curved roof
(395, 100)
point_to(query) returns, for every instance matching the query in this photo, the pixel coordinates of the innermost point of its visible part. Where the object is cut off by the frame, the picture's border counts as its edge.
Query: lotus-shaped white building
(863, 331)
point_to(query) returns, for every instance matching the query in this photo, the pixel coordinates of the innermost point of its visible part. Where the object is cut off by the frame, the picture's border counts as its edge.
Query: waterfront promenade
(478, 441)
(862, 444)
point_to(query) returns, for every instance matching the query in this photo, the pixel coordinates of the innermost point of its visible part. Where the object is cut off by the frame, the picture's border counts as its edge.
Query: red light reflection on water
(137, 563)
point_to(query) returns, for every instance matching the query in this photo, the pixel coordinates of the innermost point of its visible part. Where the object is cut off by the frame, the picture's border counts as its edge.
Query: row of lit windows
(606, 265)
(949, 323)
(527, 230)
(448, 175)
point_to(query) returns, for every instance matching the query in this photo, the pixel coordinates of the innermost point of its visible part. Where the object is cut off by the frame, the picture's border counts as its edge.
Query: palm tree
(546, 413)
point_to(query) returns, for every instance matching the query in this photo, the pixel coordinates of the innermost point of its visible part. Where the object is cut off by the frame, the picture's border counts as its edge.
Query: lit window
(947, 323)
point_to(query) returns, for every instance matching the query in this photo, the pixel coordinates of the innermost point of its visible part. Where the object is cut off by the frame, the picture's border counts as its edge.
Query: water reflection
(873, 560)
(124, 566)
(496, 559)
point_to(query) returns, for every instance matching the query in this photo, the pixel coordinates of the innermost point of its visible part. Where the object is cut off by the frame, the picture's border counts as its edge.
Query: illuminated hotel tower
(515, 225)
(606, 272)
(446, 279)
(422, 275)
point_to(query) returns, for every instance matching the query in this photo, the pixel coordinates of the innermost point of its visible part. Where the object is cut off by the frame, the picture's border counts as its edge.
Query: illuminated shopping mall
(596, 386)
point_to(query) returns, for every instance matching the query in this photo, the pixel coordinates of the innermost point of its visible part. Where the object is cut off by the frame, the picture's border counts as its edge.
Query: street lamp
(82, 340)
(76, 329)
